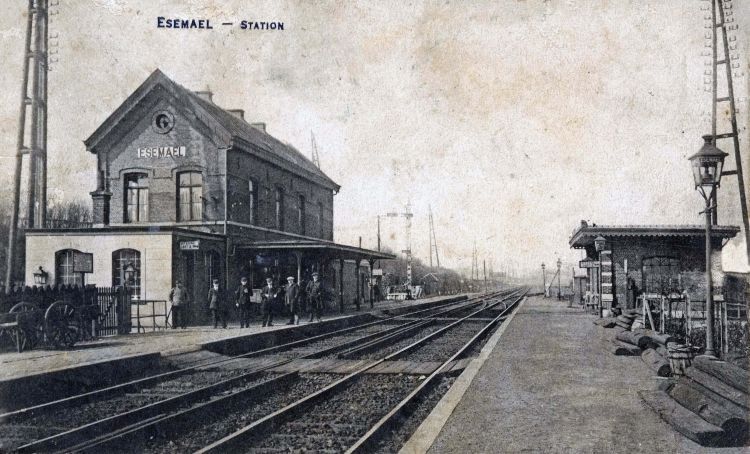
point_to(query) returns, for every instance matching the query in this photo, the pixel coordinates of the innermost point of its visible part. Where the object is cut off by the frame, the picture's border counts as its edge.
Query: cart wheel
(29, 324)
(61, 324)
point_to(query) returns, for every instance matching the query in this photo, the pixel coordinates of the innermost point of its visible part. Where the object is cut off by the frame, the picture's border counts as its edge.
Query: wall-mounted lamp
(41, 276)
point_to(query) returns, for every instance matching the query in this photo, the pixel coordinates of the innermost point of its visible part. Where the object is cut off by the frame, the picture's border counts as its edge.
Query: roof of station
(342, 251)
(585, 234)
(224, 127)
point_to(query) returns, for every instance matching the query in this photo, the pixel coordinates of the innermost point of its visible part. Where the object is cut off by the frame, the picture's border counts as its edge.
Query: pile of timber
(709, 405)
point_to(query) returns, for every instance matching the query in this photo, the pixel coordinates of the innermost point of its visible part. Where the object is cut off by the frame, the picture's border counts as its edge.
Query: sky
(512, 120)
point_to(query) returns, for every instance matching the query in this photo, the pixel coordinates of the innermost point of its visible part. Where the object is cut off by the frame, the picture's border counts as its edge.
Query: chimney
(259, 126)
(205, 95)
(239, 113)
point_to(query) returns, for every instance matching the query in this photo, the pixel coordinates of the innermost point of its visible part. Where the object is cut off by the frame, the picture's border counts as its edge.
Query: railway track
(316, 412)
(86, 421)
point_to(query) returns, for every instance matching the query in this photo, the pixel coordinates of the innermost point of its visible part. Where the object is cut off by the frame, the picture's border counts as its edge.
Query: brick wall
(201, 155)
(244, 167)
(689, 251)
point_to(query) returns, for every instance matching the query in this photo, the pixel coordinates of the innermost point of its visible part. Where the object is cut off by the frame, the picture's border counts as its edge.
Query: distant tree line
(433, 279)
(63, 214)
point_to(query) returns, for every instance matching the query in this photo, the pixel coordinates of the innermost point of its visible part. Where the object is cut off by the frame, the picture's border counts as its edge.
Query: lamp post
(599, 243)
(559, 291)
(544, 282)
(707, 165)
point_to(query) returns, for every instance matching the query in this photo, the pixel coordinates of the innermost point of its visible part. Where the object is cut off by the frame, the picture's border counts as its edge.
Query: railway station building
(657, 259)
(191, 191)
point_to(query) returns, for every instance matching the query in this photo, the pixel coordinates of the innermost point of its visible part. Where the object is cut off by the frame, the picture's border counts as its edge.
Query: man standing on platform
(242, 298)
(268, 295)
(217, 304)
(178, 297)
(315, 297)
(291, 299)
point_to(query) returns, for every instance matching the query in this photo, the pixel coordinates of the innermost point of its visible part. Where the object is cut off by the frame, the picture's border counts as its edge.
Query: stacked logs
(709, 405)
(649, 345)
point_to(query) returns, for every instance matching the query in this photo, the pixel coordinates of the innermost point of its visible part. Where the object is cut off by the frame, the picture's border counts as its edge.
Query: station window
(279, 209)
(126, 269)
(320, 220)
(189, 196)
(660, 275)
(136, 197)
(212, 262)
(301, 214)
(253, 201)
(64, 274)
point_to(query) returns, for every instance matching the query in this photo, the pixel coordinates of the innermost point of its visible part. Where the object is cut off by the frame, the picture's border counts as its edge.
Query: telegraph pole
(35, 66)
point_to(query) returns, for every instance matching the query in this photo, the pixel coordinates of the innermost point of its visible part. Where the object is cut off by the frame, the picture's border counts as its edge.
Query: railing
(685, 320)
(148, 317)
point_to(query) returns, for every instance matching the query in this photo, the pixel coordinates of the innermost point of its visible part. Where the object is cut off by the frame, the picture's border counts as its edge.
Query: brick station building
(659, 259)
(188, 190)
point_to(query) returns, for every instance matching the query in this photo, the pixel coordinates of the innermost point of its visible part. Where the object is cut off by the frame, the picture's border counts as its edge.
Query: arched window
(189, 196)
(660, 274)
(136, 197)
(126, 269)
(64, 274)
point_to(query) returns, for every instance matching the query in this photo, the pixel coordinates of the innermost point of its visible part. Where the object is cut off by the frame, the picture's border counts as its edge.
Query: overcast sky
(514, 120)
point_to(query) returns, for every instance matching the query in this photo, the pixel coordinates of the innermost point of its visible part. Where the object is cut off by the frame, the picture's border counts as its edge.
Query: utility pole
(314, 146)
(484, 266)
(544, 281)
(433, 241)
(721, 24)
(408, 215)
(378, 233)
(35, 60)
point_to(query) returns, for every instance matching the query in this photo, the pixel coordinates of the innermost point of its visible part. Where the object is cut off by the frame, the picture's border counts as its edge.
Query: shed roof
(584, 234)
(222, 124)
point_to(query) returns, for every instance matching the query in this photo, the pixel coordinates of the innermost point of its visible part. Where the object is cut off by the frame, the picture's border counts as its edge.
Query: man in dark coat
(217, 304)
(291, 300)
(179, 299)
(315, 297)
(242, 300)
(268, 296)
(632, 293)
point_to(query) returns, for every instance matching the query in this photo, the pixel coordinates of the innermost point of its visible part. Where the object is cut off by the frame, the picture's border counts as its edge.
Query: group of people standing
(291, 296)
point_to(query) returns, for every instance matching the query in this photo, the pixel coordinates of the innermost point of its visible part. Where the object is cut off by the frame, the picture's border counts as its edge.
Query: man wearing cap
(217, 303)
(314, 296)
(179, 299)
(291, 299)
(268, 296)
(242, 300)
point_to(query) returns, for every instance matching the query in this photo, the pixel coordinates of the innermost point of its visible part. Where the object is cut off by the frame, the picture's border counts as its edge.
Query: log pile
(709, 405)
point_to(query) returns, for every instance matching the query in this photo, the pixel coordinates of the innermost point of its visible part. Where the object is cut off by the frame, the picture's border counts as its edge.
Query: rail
(106, 428)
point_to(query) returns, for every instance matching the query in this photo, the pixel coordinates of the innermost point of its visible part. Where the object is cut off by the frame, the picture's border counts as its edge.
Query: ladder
(721, 23)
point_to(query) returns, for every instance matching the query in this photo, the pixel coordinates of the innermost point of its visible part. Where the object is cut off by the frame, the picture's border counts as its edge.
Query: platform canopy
(583, 236)
(322, 248)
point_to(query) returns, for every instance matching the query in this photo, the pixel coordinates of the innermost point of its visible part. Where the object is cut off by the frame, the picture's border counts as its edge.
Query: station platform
(144, 347)
(549, 385)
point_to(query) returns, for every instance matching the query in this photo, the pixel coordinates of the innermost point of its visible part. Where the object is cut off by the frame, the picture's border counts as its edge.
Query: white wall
(155, 249)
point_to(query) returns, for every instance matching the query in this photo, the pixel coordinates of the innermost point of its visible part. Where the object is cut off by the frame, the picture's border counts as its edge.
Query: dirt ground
(550, 386)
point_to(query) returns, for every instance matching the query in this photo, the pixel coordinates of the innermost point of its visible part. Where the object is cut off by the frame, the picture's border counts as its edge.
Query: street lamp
(544, 282)
(559, 292)
(707, 164)
(599, 243)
